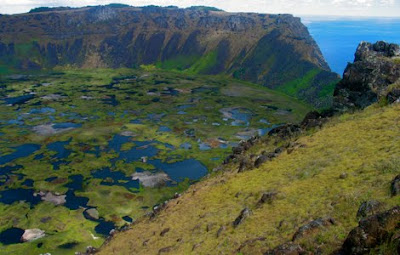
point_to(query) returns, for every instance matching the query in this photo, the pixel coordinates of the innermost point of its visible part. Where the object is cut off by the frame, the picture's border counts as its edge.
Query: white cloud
(299, 7)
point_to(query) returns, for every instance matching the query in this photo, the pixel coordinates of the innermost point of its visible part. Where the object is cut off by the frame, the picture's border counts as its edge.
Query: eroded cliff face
(373, 76)
(274, 50)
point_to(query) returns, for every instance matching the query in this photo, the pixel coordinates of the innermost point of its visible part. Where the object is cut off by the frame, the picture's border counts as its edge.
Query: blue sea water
(338, 37)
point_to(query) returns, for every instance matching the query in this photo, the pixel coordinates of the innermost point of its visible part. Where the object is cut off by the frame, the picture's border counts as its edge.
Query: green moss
(204, 64)
(294, 87)
(178, 63)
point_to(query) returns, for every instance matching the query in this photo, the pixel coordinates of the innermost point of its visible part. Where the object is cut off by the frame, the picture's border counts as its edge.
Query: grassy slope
(363, 145)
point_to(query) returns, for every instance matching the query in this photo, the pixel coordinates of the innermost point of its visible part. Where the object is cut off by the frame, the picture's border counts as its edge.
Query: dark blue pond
(204, 147)
(170, 92)
(42, 110)
(18, 100)
(137, 121)
(76, 182)
(66, 125)
(40, 156)
(241, 117)
(8, 170)
(20, 152)
(111, 100)
(11, 236)
(115, 178)
(179, 171)
(5, 170)
(164, 129)
(117, 141)
(143, 149)
(96, 151)
(127, 219)
(185, 106)
(104, 228)
(28, 183)
(11, 196)
(74, 202)
(50, 179)
(58, 147)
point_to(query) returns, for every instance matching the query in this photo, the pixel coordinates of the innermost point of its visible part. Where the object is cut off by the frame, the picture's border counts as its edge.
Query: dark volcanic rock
(312, 119)
(245, 164)
(267, 198)
(285, 131)
(245, 213)
(372, 232)
(376, 66)
(287, 249)
(395, 186)
(312, 226)
(261, 160)
(368, 208)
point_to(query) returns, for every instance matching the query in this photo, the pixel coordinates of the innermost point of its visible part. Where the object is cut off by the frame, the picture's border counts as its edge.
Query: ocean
(338, 37)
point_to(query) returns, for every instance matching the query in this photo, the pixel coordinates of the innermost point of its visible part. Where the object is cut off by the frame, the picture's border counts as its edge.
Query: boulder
(372, 232)
(148, 179)
(267, 198)
(312, 226)
(286, 131)
(368, 208)
(245, 213)
(245, 164)
(92, 213)
(32, 234)
(313, 119)
(164, 232)
(395, 186)
(53, 198)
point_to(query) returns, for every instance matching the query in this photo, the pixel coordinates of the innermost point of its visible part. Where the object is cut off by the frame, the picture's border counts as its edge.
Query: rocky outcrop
(311, 227)
(372, 232)
(374, 75)
(55, 199)
(91, 214)
(268, 49)
(148, 179)
(369, 208)
(32, 234)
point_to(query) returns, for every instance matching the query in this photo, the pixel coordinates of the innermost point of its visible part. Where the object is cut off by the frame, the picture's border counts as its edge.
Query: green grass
(308, 185)
(179, 63)
(115, 202)
(294, 87)
(204, 64)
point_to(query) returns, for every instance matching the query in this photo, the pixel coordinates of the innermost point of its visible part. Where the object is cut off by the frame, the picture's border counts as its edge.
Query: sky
(381, 8)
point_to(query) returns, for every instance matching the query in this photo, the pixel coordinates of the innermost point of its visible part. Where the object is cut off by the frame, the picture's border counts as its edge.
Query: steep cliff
(274, 50)
(374, 75)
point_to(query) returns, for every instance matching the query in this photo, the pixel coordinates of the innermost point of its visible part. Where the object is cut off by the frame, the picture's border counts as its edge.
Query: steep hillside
(274, 50)
(324, 186)
(325, 175)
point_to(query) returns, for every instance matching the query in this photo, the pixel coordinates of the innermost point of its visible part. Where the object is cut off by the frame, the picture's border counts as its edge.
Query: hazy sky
(298, 7)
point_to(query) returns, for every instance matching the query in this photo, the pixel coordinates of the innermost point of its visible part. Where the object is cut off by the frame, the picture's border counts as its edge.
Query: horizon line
(305, 15)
